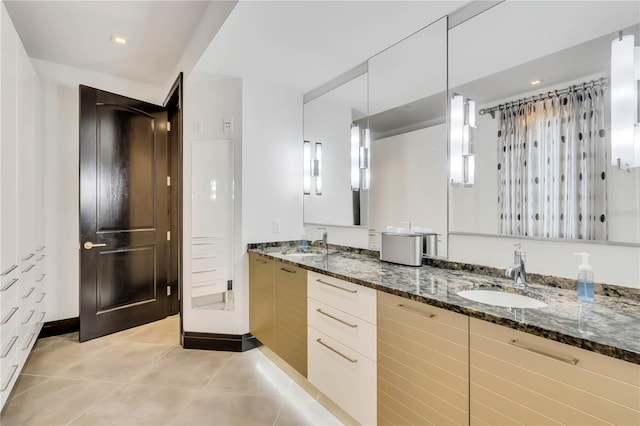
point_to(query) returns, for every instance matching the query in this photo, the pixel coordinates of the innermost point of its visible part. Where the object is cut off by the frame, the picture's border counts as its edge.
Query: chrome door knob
(89, 245)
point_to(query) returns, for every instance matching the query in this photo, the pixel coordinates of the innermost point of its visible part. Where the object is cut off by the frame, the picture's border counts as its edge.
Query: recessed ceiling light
(535, 82)
(118, 39)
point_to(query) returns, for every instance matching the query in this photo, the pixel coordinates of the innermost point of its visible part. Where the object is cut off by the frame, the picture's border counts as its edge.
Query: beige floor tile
(227, 410)
(26, 382)
(60, 354)
(251, 373)
(164, 332)
(118, 362)
(137, 405)
(56, 402)
(183, 368)
(46, 341)
(305, 412)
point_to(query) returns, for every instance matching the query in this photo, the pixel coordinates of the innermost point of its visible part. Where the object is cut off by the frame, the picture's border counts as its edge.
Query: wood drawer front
(355, 299)
(214, 287)
(530, 387)
(351, 385)
(351, 331)
(291, 315)
(422, 363)
(261, 299)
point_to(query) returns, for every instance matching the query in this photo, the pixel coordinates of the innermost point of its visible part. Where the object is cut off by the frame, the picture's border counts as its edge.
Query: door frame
(174, 102)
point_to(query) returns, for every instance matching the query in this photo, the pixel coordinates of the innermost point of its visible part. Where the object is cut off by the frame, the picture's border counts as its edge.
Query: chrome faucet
(517, 270)
(325, 245)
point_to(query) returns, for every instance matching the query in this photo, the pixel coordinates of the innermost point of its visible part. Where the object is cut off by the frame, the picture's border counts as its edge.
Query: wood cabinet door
(291, 315)
(261, 299)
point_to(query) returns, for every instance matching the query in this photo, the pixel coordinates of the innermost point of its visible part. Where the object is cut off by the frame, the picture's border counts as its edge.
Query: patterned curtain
(552, 157)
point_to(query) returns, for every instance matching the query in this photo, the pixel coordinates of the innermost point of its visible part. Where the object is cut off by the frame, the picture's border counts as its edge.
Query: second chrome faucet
(517, 270)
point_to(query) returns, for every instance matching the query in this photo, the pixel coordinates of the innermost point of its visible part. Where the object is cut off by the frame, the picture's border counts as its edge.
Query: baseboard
(219, 342)
(63, 326)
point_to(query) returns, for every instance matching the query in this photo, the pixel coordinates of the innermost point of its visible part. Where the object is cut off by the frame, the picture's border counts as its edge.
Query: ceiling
(303, 44)
(78, 34)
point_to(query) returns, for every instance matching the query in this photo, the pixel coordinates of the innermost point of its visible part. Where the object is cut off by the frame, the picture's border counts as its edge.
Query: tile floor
(142, 376)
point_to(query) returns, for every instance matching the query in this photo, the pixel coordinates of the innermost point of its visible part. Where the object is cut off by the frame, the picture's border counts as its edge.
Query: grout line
(96, 402)
(219, 370)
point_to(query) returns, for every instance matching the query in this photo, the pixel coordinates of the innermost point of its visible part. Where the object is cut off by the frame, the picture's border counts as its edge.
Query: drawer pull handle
(29, 317)
(336, 318)
(40, 257)
(40, 248)
(41, 297)
(40, 278)
(29, 256)
(336, 286)
(351, 360)
(288, 270)
(514, 342)
(26, 296)
(9, 284)
(5, 385)
(41, 317)
(261, 261)
(5, 352)
(9, 315)
(207, 257)
(9, 269)
(416, 311)
(28, 268)
(25, 347)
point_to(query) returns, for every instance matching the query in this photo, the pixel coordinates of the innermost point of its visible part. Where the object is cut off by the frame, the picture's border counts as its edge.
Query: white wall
(61, 183)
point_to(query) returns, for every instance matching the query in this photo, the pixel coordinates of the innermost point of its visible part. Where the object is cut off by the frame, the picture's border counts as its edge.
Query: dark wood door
(124, 213)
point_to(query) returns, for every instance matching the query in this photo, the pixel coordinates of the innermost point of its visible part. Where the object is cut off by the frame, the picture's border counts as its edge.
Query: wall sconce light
(462, 139)
(312, 167)
(360, 157)
(306, 167)
(625, 129)
(317, 168)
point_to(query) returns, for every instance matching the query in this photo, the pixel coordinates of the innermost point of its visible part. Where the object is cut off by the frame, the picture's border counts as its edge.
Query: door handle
(89, 245)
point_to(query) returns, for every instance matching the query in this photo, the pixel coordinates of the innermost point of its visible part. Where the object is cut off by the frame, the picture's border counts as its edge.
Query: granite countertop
(609, 326)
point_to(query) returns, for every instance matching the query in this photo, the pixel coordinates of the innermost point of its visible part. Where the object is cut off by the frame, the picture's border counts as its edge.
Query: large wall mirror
(407, 118)
(533, 119)
(333, 122)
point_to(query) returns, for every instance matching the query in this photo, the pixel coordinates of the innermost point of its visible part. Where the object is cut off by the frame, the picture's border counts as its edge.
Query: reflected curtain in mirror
(552, 166)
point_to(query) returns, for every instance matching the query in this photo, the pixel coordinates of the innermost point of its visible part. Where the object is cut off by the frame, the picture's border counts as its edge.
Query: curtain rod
(547, 95)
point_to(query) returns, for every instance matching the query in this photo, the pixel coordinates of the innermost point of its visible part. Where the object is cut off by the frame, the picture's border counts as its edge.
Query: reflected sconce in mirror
(463, 136)
(625, 129)
(312, 167)
(360, 158)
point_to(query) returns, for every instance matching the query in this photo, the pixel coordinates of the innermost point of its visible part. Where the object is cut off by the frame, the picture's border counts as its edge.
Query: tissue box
(405, 249)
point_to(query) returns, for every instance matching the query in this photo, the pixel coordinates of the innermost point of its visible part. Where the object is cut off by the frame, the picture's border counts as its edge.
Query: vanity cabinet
(520, 378)
(422, 363)
(261, 299)
(342, 339)
(278, 308)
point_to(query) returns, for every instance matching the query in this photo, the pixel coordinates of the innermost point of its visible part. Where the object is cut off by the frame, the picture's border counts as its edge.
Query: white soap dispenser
(586, 288)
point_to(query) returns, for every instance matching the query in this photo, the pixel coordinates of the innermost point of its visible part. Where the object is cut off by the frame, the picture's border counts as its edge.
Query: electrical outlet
(276, 226)
(227, 125)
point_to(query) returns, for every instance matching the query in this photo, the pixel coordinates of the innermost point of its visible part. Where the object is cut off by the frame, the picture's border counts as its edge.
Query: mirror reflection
(407, 105)
(531, 137)
(335, 132)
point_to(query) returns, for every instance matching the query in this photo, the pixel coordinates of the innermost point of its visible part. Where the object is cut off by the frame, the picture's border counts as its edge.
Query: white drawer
(344, 376)
(207, 261)
(10, 317)
(9, 291)
(201, 246)
(208, 275)
(211, 288)
(355, 299)
(351, 331)
(28, 336)
(10, 371)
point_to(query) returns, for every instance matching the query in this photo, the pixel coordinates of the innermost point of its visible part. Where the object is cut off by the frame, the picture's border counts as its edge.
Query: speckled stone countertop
(610, 325)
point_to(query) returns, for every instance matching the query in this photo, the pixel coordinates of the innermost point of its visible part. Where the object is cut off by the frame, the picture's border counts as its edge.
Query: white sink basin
(502, 298)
